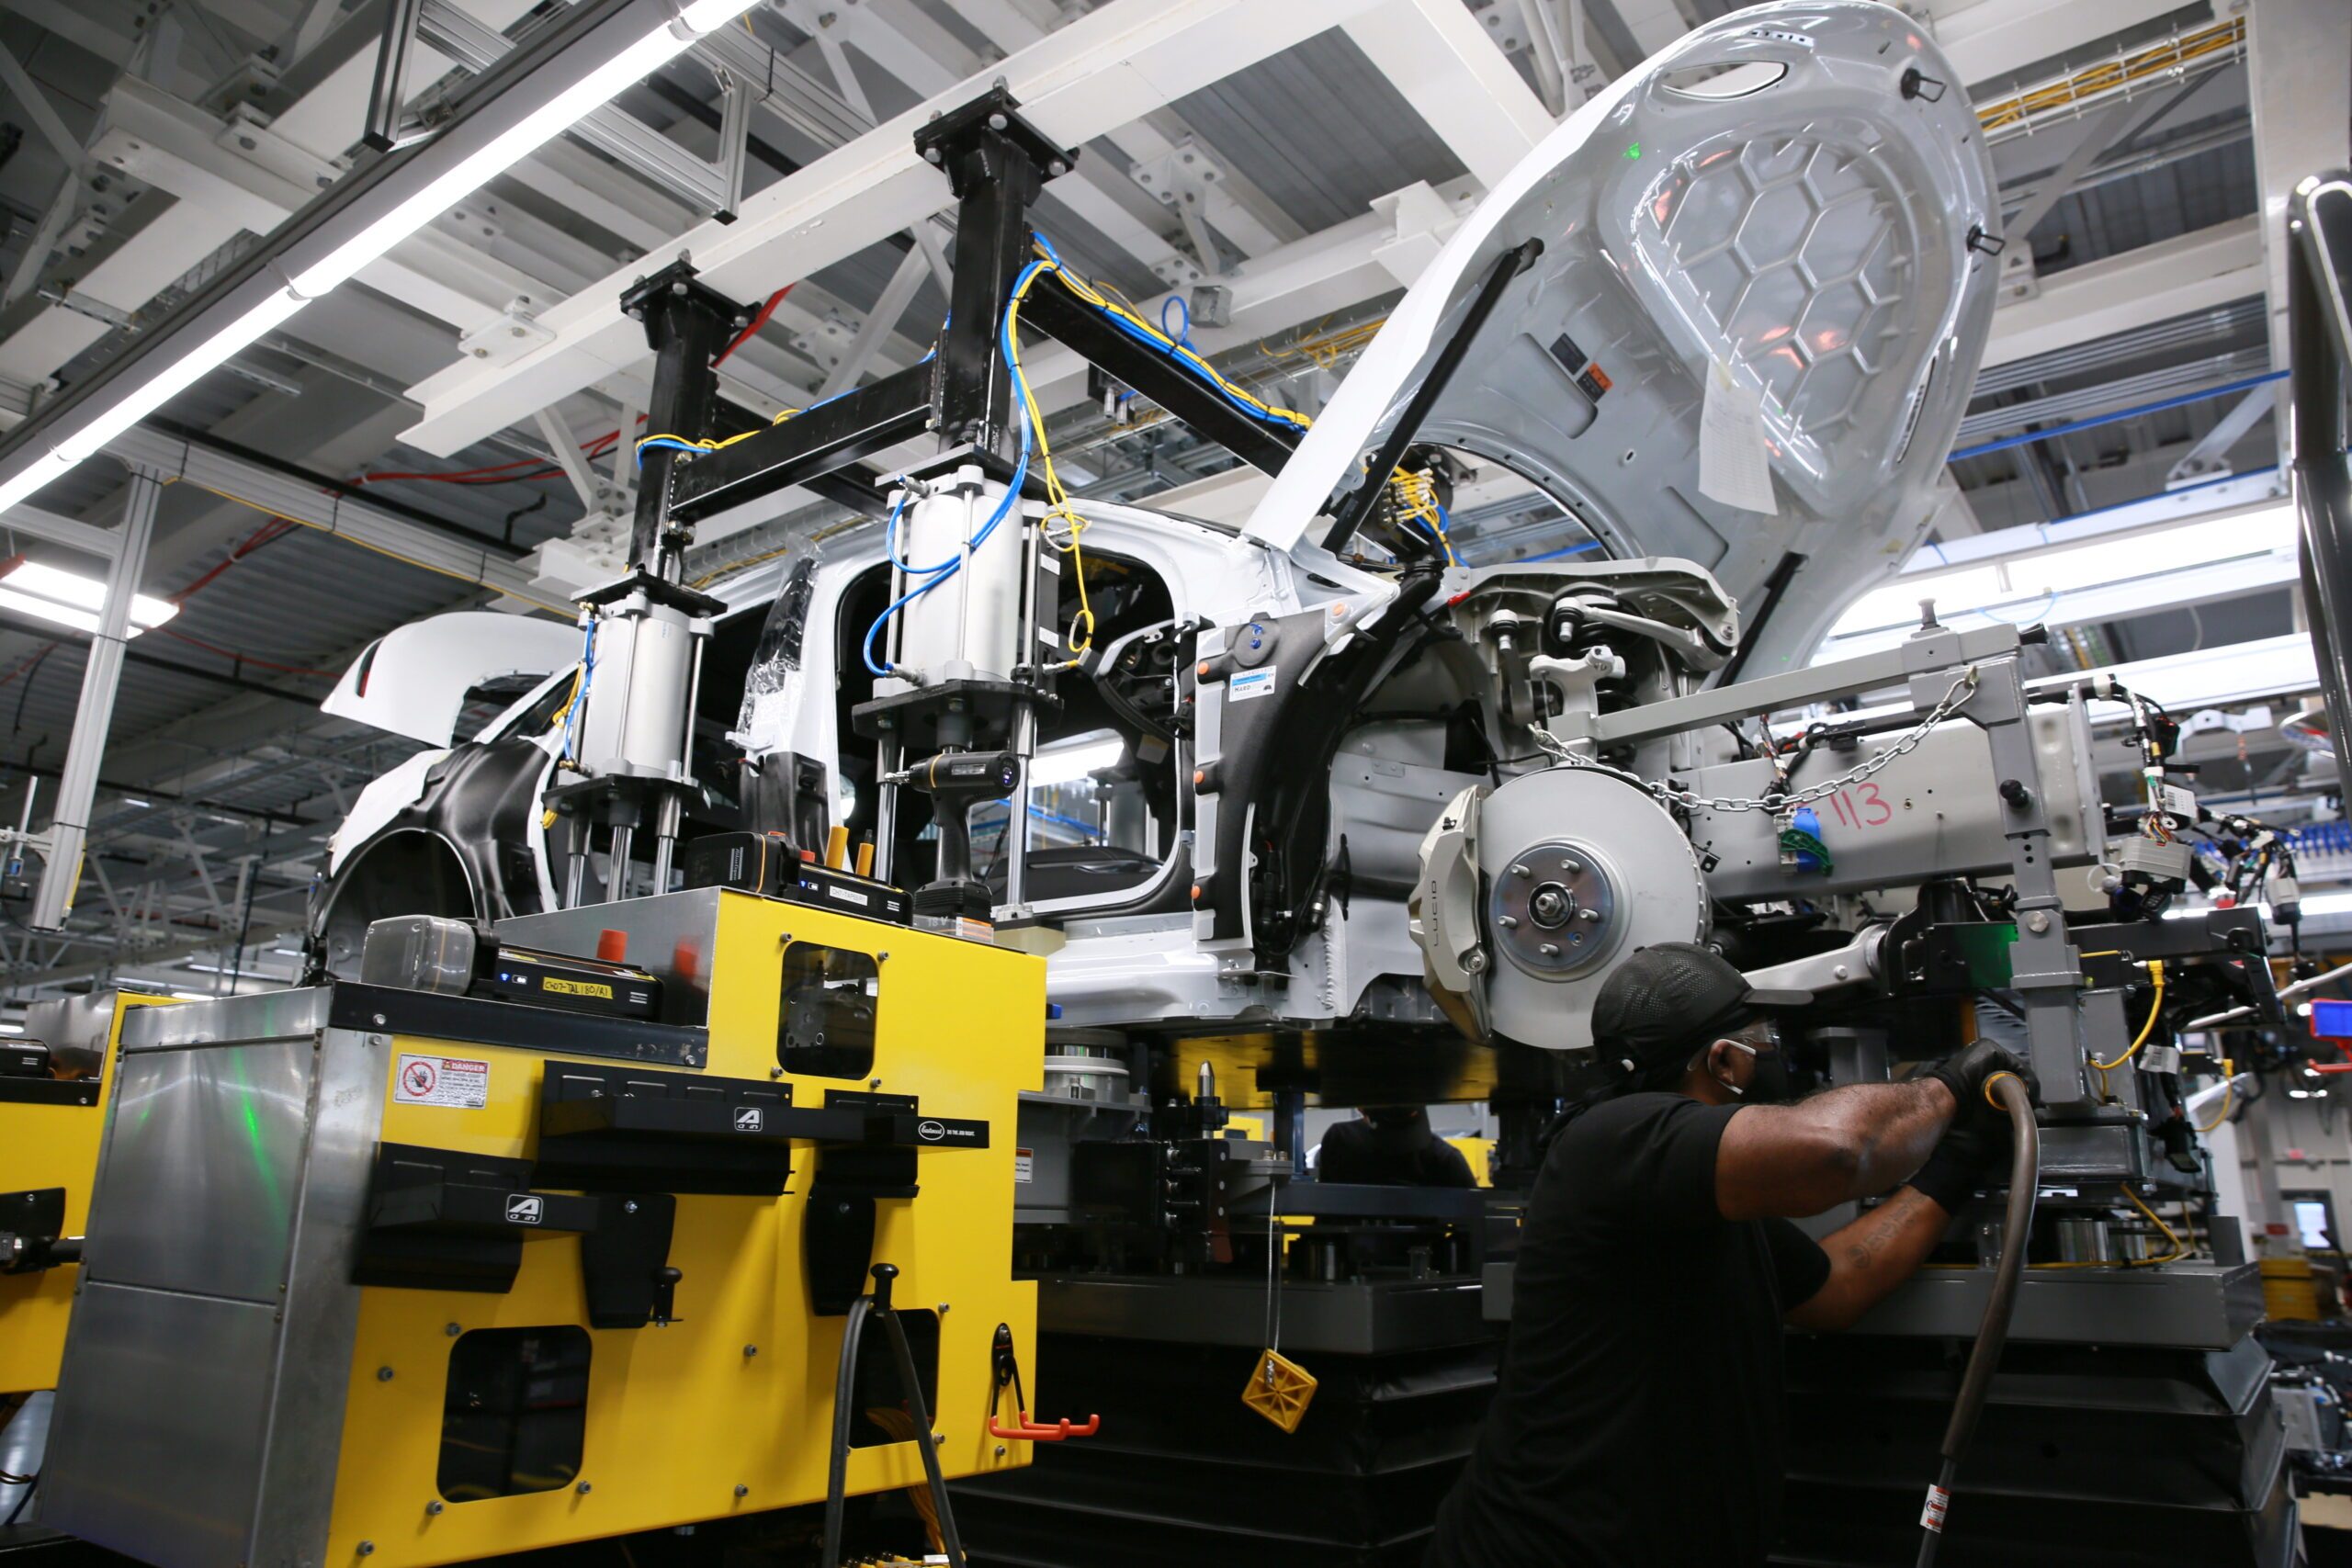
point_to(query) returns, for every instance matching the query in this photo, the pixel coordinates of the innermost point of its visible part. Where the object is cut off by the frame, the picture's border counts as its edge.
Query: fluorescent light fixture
(11, 1029)
(1067, 765)
(2018, 587)
(526, 137)
(70, 598)
(2322, 903)
(39, 472)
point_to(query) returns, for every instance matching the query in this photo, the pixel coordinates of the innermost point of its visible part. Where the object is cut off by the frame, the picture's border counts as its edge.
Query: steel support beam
(1094, 75)
(94, 713)
(879, 322)
(1451, 71)
(40, 111)
(2208, 267)
(65, 530)
(302, 501)
(2210, 458)
(1997, 39)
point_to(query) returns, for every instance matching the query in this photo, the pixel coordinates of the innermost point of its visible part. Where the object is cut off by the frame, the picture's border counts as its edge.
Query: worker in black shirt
(1638, 1419)
(1391, 1146)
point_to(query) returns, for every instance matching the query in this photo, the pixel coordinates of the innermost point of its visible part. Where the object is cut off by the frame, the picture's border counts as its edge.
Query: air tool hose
(2006, 1091)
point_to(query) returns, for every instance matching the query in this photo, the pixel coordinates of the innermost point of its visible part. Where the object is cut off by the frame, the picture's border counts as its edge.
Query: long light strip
(534, 132)
(2011, 588)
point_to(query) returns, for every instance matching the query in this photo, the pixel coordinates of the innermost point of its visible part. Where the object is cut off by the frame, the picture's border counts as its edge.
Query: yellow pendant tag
(1280, 1390)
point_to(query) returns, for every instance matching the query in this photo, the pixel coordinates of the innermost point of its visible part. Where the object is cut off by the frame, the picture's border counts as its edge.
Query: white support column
(77, 785)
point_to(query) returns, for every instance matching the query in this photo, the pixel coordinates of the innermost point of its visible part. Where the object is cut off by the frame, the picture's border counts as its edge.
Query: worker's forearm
(1891, 1128)
(1872, 1256)
(1794, 1161)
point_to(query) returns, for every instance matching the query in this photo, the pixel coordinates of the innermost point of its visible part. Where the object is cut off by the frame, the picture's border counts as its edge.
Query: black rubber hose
(845, 1393)
(915, 1407)
(2008, 1091)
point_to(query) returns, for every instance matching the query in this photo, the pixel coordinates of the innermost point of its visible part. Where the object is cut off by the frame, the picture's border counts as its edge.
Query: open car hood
(1783, 203)
(413, 680)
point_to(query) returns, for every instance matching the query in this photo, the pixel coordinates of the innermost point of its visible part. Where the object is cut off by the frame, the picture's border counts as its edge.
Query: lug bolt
(435, 1507)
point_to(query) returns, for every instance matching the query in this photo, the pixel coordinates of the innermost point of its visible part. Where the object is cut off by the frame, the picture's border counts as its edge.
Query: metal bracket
(511, 333)
(1180, 179)
(389, 91)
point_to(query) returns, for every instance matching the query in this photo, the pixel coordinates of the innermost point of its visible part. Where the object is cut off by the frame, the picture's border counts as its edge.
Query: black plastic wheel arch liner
(481, 808)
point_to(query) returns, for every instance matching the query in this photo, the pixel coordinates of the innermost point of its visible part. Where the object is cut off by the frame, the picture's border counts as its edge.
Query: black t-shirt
(1639, 1417)
(1405, 1155)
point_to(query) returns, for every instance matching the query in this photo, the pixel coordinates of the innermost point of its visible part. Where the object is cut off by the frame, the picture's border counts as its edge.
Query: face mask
(1769, 1084)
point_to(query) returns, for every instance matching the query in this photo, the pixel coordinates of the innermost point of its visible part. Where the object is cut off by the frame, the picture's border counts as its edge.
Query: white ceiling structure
(428, 437)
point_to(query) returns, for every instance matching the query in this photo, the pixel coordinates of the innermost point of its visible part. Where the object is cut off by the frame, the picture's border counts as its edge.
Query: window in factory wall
(825, 1025)
(878, 1395)
(516, 1412)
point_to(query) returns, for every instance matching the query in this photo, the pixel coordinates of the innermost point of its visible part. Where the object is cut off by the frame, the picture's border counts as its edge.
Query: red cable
(232, 653)
(757, 323)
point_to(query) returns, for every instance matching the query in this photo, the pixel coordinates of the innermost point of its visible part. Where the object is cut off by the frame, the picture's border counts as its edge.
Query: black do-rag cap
(1658, 1005)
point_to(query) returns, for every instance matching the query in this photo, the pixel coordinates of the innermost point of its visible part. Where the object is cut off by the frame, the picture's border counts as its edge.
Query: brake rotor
(1578, 869)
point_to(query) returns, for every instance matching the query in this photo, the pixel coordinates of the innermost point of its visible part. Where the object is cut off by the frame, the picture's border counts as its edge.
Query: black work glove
(1972, 1155)
(1965, 1072)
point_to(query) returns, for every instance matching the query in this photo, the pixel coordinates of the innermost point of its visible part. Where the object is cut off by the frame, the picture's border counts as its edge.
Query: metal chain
(1954, 700)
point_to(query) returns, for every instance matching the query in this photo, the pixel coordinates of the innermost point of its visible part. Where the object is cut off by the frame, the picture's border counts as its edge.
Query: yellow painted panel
(739, 1392)
(52, 1145)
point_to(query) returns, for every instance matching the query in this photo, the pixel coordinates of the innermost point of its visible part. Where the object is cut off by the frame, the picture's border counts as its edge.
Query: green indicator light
(1634, 150)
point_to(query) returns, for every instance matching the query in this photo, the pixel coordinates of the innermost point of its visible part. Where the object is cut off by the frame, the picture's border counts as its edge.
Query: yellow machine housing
(49, 1140)
(300, 1418)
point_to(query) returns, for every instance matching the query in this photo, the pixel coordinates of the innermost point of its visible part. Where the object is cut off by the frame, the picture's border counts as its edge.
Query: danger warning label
(456, 1081)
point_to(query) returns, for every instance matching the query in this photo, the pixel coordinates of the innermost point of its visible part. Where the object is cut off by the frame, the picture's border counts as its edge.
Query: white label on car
(458, 1082)
(1735, 454)
(1249, 684)
(524, 1209)
(850, 895)
(1025, 1165)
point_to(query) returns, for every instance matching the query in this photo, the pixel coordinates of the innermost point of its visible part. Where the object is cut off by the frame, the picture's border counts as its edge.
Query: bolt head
(435, 1507)
(741, 1490)
(451, 1329)
(930, 156)
(366, 1549)
(584, 1489)
(383, 1374)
